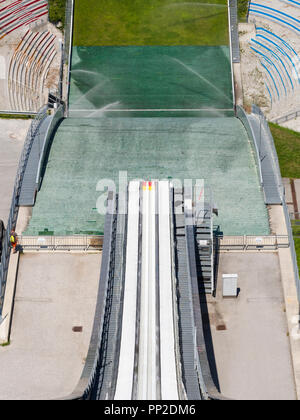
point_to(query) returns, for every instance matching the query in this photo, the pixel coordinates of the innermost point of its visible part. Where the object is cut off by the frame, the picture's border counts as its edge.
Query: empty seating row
(269, 92)
(273, 70)
(28, 70)
(277, 55)
(275, 15)
(292, 2)
(279, 59)
(20, 13)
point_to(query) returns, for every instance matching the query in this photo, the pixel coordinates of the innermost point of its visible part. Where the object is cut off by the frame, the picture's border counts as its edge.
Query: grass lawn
(297, 245)
(57, 10)
(16, 116)
(296, 227)
(288, 149)
(287, 143)
(151, 22)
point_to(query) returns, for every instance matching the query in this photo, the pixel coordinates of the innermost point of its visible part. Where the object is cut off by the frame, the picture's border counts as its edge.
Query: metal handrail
(248, 11)
(93, 369)
(293, 248)
(57, 117)
(287, 117)
(207, 386)
(243, 117)
(248, 242)
(34, 127)
(294, 215)
(68, 46)
(256, 110)
(54, 243)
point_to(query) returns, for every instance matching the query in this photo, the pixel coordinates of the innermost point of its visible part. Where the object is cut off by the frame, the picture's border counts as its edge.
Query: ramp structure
(151, 344)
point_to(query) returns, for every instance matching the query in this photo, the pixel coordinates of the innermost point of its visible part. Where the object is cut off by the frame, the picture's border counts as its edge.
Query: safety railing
(234, 32)
(293, 248)
(35, 124)
(68, 46)
(247, 243)
(57, 243)
(241, 114)
(248, 11)
(256, 110)
(232, 45)
(57, 116)
(92, 374)
(287, 117)
(271, 146)
(295, 216)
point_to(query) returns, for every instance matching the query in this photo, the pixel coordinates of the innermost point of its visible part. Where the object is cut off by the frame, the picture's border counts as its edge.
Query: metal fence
(292, 115)
(67, 56)
(294, 216)
(248, 11)
(234, 32)
(293, 248)
(57, 116)
(15, 199)
(241, 114)
(61, 243)
(248, 243)
(276, 167)
(92, 374)
(269, 142)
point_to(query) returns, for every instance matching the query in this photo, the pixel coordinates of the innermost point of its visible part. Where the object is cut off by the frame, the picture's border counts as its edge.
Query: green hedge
(242, 9)
(57, 11)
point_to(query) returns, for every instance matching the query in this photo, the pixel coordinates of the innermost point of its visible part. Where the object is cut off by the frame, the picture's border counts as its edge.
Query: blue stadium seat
(275, 15)
(273, 55)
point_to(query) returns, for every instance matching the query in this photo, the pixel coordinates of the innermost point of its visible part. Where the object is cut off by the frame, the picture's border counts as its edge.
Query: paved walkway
(12, 136)
(249, 334)
(55, 293)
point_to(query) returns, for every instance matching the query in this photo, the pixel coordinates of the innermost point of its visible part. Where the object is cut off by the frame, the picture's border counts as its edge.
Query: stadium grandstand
(20, 13)
(277, 30)
(31, 67)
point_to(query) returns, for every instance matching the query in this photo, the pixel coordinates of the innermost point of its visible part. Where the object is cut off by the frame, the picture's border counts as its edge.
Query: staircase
(194, 272)
(205, 248)
(185, 309)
